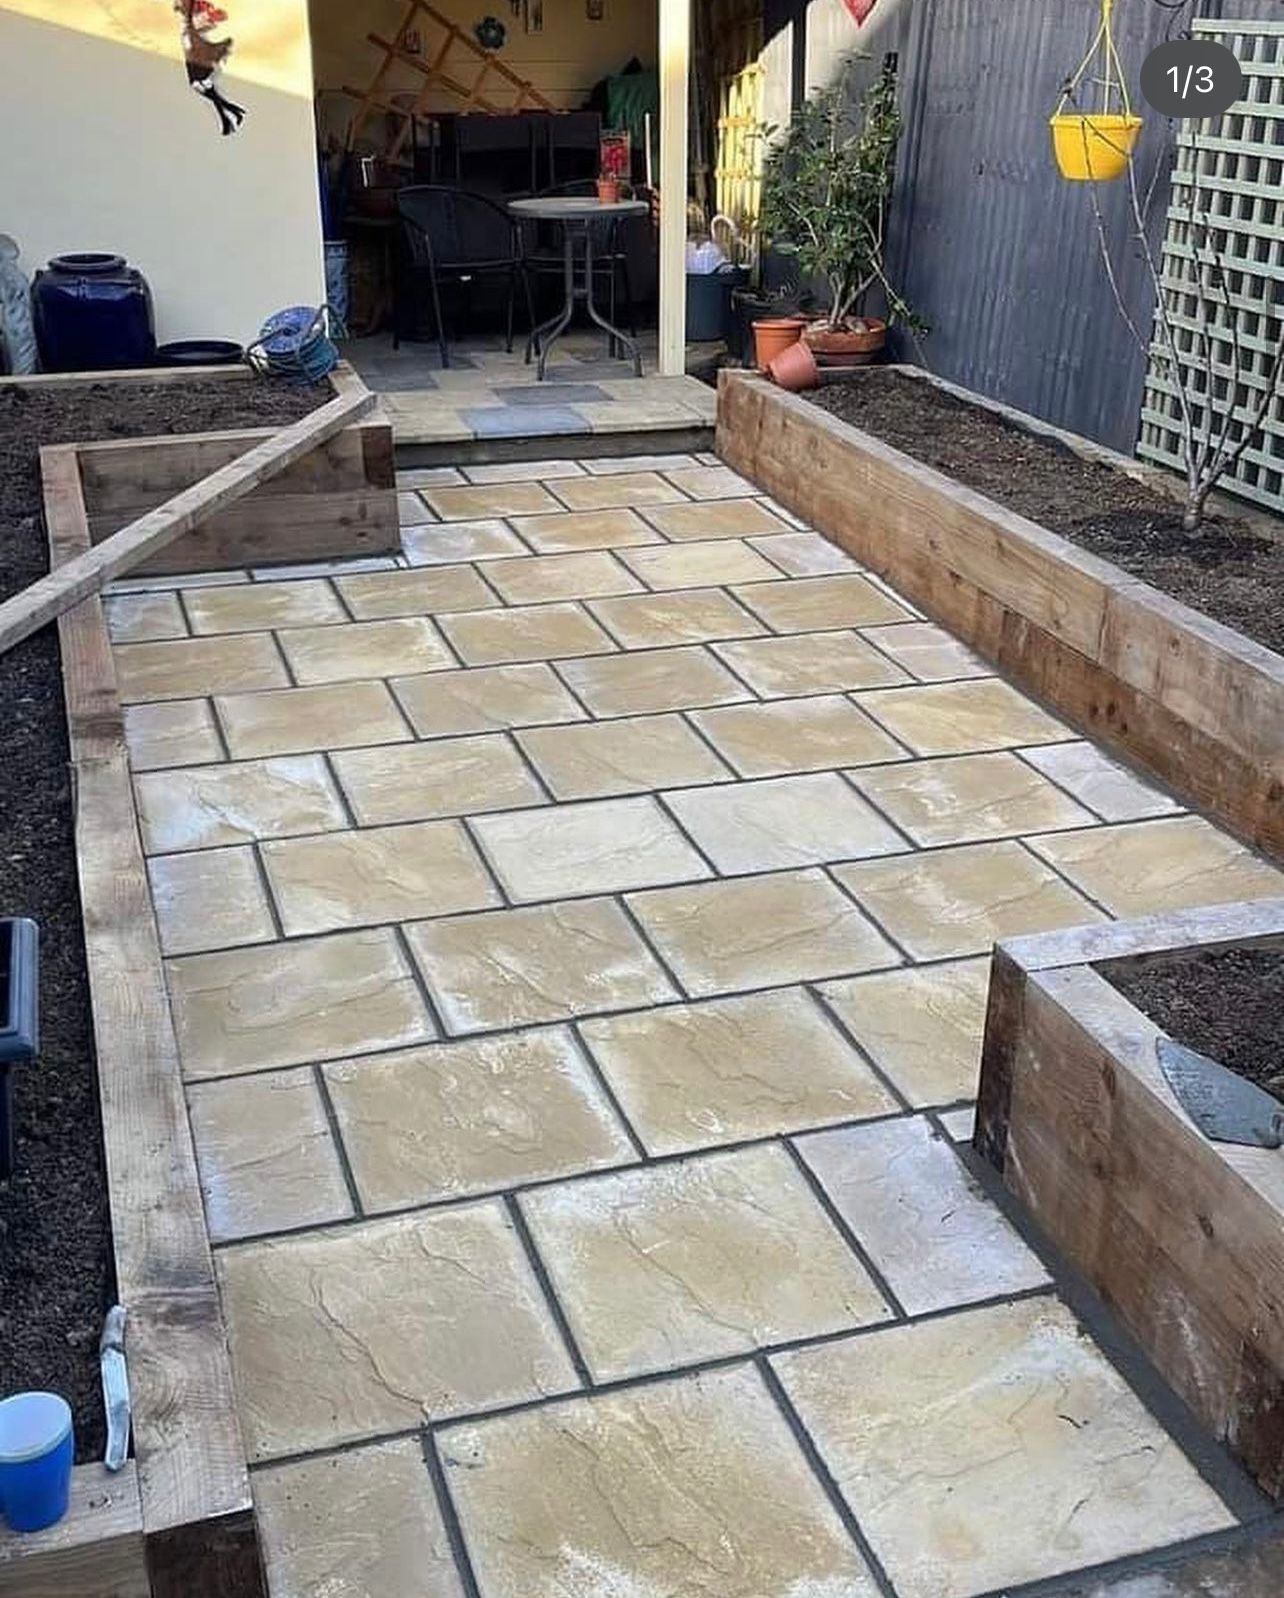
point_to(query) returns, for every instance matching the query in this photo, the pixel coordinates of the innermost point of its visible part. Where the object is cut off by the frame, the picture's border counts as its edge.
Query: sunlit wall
(112, 118)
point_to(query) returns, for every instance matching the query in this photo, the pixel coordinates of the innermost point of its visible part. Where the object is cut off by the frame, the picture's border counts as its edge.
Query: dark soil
(1227, 1004)
(56, 1277)
(1226, 569)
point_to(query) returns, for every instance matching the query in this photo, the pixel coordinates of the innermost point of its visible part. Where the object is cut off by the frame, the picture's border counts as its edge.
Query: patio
(576, 934)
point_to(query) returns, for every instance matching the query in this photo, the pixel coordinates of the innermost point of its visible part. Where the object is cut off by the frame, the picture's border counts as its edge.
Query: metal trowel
(1225, 1107)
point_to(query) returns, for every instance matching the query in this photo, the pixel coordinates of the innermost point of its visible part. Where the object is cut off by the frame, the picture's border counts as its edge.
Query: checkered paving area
(576, 930)
(488, 393)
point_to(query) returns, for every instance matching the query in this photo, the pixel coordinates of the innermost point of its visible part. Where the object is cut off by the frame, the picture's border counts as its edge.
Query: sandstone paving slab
(724, 518)
(804, 554)
(457, 1119)
(608, 846)
(525, 633)
(945, 903)
(359, 1524)
(693, 1487)
(188, 667)
(449, 777)
(922, 1026)
(699, 565)
(964, 717)
(693, 1076)
(1252, 1570)
(490, 500)
(213, 899)
(814, 604)
(927, 651)
(618, 491)
(804, 664)
(446, 543)
(796, 735)
(577, 530)
(266, 1157)
(143, 618)
(262, 607)
(760, 932)
(711, 482)
(684, 616)
(508, 968)
(647, 682)
(381, 874)
(206, 807)
(1102, 784)
(340, 716)
(1144, 867)
(178, 732)
(696, 1259)
(489, 699)
(362, 650)
(634, 755)
(426, 591)
(362, 1331)
(937, 1432)
(289, 1003)
(541, 579)
(925, 1223)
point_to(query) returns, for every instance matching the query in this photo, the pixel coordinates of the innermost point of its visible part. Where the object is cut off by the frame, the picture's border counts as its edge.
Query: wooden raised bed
(1187, 699)
(1183, 1237)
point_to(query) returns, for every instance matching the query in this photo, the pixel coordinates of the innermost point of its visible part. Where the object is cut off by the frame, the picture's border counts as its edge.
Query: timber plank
(95, 1552)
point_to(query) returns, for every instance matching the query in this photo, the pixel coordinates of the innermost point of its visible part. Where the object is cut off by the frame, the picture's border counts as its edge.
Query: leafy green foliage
(827, 189)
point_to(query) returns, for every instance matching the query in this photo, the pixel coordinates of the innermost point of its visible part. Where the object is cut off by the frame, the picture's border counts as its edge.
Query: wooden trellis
(431, 68)
(739, 81)
(1227, 207)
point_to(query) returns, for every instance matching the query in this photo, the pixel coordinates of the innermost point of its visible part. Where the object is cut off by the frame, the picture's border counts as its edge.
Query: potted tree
(827, 188)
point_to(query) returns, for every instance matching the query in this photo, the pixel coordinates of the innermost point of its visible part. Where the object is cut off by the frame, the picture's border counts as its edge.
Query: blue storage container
(93, 313)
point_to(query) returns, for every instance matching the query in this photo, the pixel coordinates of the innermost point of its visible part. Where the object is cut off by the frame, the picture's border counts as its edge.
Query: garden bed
(1193, 702)
(1183, 1237)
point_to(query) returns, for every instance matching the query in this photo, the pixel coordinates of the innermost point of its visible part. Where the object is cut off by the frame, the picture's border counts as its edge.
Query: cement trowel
(1225, 1107)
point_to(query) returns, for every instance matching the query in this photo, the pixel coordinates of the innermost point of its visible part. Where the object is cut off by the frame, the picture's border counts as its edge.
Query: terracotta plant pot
(795, 368)
(773, 335)
(847, 347)
(608, 190)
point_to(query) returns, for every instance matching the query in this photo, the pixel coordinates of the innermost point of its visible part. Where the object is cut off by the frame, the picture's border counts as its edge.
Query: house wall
(104, 146)
(564, 61)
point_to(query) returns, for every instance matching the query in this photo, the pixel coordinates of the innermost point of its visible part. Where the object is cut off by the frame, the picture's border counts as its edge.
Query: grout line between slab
(449, 1515)
(340, 1147)
(546, 1287)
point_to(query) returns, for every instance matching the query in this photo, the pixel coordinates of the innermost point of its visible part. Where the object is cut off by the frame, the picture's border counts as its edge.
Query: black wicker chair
(454, 237)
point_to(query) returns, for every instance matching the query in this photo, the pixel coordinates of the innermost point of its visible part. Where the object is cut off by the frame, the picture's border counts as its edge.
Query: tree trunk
(1193, 514)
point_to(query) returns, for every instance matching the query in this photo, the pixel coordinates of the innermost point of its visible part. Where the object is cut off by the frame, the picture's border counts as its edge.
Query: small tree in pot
(827, 189)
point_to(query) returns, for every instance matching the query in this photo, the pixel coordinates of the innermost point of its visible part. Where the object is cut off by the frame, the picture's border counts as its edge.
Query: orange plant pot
(773, 335)
(608, 190)
(795, 368)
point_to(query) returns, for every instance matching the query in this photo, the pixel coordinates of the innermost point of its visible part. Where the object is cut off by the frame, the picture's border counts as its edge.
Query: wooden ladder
(434, 75)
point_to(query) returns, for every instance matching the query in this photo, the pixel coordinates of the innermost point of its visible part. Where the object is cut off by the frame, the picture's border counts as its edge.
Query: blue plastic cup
(37, 1449)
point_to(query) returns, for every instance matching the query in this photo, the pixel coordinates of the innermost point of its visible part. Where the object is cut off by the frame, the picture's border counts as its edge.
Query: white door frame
(675, 81)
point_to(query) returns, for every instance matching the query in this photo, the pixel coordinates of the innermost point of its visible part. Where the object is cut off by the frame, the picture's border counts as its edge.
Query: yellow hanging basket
(1094, 149)
(1096, 146)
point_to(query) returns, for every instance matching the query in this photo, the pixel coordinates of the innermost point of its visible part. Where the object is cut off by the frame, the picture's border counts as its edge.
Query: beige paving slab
(804, 554)
(412, 510)
(458, 1119)
(722, 518)
(256, 607)
(696, 1259)
(177, 732)
(210, 900)
(815, 604)
(359, 1524)
(338, 716)
(510, 968)
(961, 901)
(487, 700)
(797, 735)
(610, 465)
(617, 492)
(431, 477)
(490, 499)
(693, 1488)
(141, 618)
(693, 616)
(699, 565)
(157, 583)
(922, 1027)
(266, 1157)
(934, 1432)
(361, 650)
(747, 827)
(606, 847)
(450, 542)
(968, 798)
(963, 718)
(635, 755)
(928, 652)
(395, 1322)
(305, 570)
(1144, 867)
(186, 668)
(693, 1076)
(1107, 788)
(288, 1003)
(526, 633)
(960, 1125)
(524, 471)
(711, 482)
(206, 807)
(426, 591)
(760, 932)
(922, 1219)
(448, 777)
(539, 578)
(644, 682)
(382, 874)
(808, 663)
(569, 531)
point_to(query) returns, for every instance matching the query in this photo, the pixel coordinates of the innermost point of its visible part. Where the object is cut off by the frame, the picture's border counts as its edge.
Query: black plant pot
(19, 1019)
